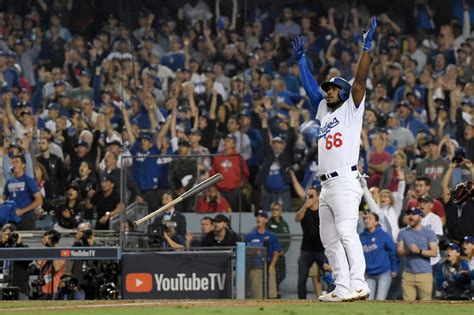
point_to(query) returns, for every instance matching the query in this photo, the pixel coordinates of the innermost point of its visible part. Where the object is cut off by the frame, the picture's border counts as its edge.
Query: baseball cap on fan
(261, 213)
(415, 211)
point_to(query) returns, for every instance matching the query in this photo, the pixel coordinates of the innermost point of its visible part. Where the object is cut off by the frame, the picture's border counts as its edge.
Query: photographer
(50, 270)
(212, 201)
(172, 240)
(69, 289)
(83, 269)
(17, 270)
(162, 234)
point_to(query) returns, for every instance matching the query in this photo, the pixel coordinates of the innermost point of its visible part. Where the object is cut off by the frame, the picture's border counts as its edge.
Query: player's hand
(362, 181)
(369, 35)
(298, 44)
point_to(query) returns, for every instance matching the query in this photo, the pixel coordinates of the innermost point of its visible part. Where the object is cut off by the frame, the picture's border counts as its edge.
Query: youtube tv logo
(139, 282)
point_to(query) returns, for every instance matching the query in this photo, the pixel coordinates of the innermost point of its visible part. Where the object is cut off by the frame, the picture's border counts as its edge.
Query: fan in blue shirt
(24, 191)
(260, 237)
(380, 257)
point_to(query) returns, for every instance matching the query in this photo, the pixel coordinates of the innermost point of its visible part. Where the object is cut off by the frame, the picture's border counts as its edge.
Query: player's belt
(325, 177)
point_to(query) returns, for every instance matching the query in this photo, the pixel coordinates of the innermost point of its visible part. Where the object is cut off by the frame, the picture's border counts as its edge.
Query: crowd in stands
(104, 106)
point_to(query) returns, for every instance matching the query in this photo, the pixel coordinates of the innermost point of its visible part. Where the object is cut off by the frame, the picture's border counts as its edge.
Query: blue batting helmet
(342, 84)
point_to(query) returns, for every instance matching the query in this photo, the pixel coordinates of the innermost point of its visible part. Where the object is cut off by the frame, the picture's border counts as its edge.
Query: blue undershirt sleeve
(310, 84)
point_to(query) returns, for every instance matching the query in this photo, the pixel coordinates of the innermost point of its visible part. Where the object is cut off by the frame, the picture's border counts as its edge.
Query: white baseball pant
(338, 212)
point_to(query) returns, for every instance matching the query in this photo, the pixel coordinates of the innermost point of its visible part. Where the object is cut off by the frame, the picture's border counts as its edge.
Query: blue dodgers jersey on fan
(145, 170)
(274, 181)
(256, 239)
(21, 190)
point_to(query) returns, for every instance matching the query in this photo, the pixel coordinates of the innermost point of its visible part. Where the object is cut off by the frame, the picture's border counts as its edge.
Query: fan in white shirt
(431, 221)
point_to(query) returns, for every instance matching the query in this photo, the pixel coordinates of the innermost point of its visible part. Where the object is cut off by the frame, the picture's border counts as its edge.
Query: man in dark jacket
(80, 152)
(221, 235)
(172, 215)
(277, 158)
(54, 167)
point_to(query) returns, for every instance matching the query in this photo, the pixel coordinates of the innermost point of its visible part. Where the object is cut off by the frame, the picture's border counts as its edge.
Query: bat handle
(157, 212)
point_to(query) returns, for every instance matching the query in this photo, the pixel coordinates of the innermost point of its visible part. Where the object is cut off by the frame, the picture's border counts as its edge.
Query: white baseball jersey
(339, 135)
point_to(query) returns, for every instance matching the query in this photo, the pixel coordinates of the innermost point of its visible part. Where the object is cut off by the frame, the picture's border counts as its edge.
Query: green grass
(233, 308)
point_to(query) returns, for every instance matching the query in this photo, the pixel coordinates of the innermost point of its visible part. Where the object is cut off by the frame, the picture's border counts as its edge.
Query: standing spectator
(277, 158)
(24, 191)
(418, 244)
(204, 162)
(392, 175)
(279, 226)
(183, 174)
(110, 168)
(287, 28)
(53, 165)
(106, 203)
(432, 222)
(234, 171)
(388, 206)
(379, 160)
(311, 250)
(81, 151)
(416, 53)
(422, 188)
(145, 170)
(380, 257)
(261, 237)
(212, 201)
(221, 234)
(433, 167)
(242, 141)
(401, 138)
(452, 278)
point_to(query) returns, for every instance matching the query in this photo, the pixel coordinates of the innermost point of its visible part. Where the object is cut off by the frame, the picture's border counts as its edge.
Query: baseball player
(340, 115)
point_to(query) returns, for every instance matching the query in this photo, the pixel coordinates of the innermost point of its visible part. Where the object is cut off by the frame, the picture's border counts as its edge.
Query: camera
(86, 235)
(12, 239)
(70, 283)
(459, 155)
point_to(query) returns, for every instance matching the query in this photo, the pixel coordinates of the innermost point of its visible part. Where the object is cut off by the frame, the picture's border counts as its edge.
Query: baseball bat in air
(211, 181)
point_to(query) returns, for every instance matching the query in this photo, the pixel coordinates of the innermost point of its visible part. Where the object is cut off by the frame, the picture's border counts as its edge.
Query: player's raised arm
(309, 83)
(358, 87)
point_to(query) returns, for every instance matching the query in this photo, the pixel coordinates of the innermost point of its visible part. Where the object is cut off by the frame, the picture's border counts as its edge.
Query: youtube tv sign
(138, 282)
(177, 275)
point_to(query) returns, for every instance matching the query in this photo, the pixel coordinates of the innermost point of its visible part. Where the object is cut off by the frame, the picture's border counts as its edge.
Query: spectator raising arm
(446, 193)
(128, 126)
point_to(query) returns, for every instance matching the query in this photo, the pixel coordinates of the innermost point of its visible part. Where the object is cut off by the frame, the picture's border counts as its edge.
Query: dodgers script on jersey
(339, 135)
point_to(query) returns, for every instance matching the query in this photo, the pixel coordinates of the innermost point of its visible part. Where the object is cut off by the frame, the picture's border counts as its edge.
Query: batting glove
(369, 35)
(298, 44)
